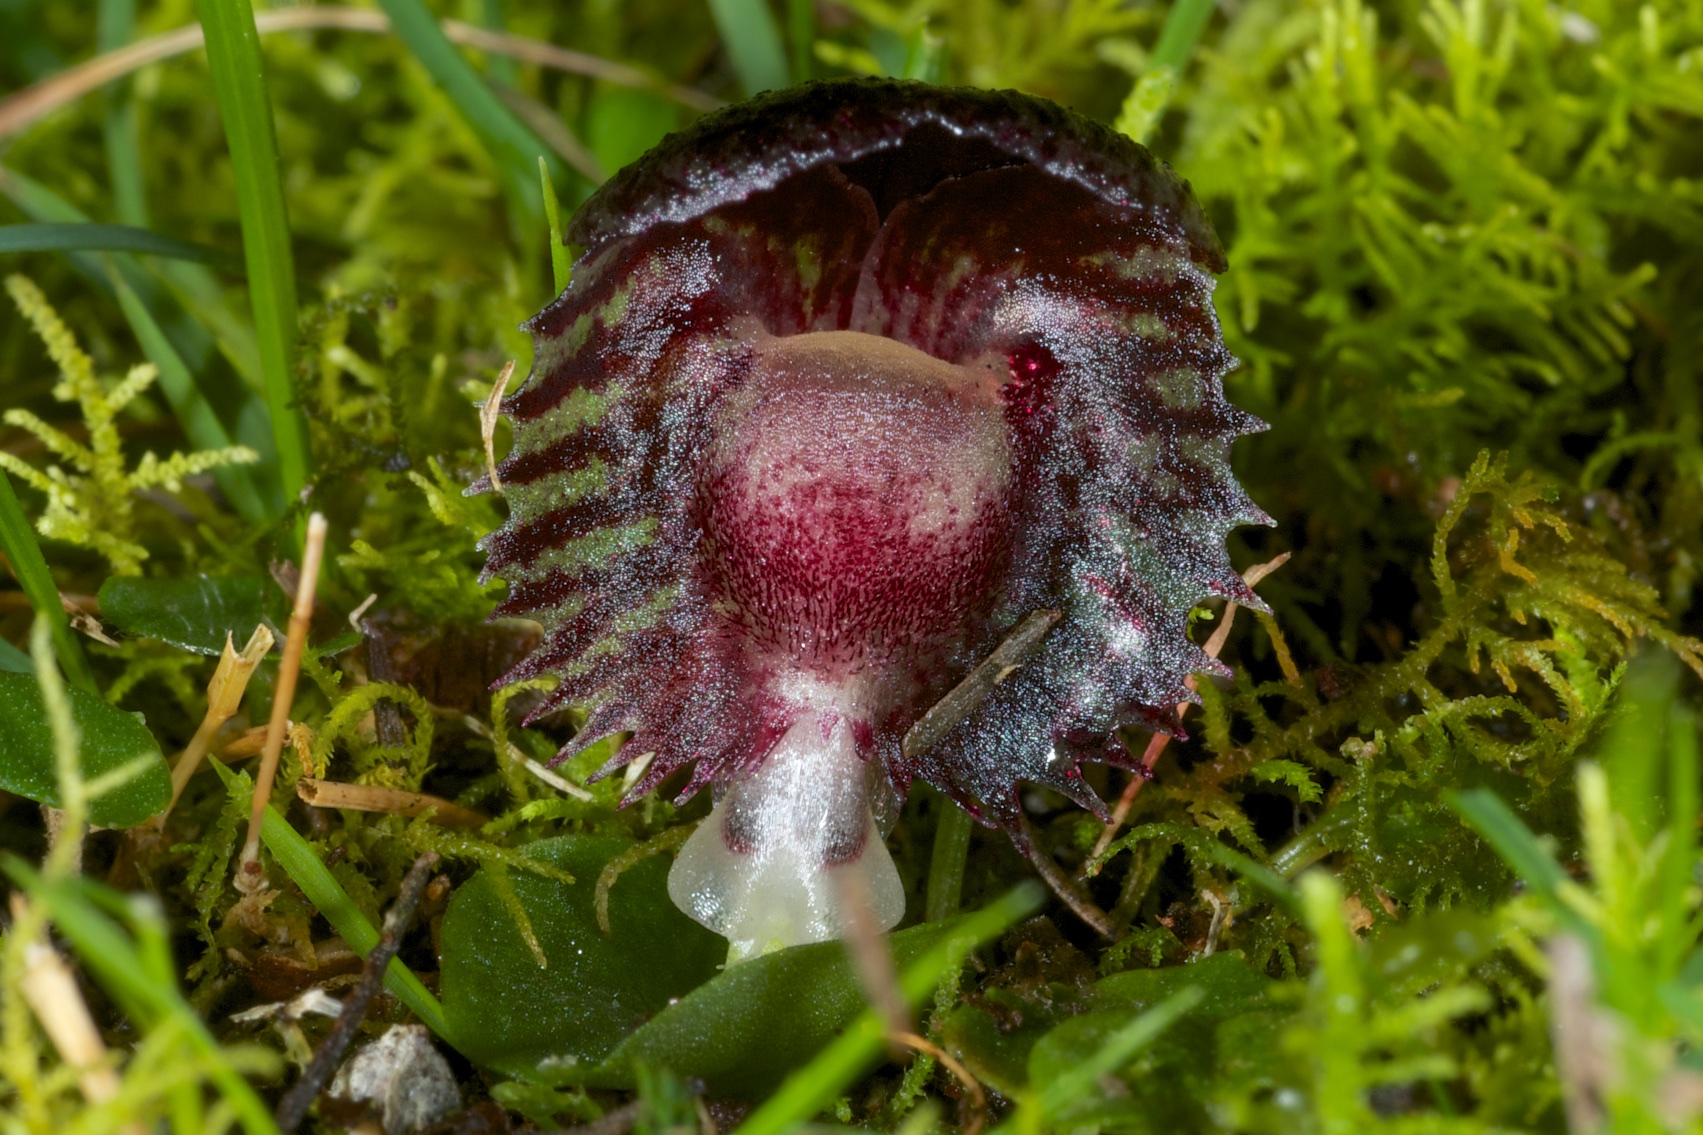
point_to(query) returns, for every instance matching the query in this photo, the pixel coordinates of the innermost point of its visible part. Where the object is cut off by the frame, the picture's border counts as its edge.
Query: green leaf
(193, 613)
(507, 1013)
(1013, 1059)
(111, 739)
(830, 1072)
(110, 238)
(239, 82)
(17, 539)
(758, 1020)
(1436, 946)
(1084, 1051)
(14, 660)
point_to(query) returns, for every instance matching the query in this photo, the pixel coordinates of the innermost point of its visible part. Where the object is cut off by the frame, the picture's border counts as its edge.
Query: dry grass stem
(963, 698)
(50, 989)
(555, 780)
(249, 877)
(1156, 744)
(1068, 890)
(33, 103)
(488, 423)
(224, 698)
(390, 801)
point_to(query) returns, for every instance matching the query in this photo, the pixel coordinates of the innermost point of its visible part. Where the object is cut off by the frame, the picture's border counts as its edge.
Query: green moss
(1466, 255)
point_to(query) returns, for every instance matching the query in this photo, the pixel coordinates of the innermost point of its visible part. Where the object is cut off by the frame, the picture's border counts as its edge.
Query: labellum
(864, 395)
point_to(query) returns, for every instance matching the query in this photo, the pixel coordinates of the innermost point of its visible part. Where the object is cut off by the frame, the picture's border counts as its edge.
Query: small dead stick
(978, 1097)
(488, 414)
(1068, 891)
(224, 697)
(963, 698)
(249, 876)
(293, 1107)
(1156, 743)
(390, 801)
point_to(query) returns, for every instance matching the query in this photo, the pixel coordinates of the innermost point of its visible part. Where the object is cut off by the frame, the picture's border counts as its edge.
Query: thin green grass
(512, 144)
(110, 238)
(24, 554)
(239, 82)
(753, 43)
(809, 1090)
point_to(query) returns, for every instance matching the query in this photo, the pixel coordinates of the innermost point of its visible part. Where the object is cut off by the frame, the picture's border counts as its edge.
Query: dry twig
(978, 1097)
(249, 877)
(293, 1107)
(1156, 744)
(390, 801)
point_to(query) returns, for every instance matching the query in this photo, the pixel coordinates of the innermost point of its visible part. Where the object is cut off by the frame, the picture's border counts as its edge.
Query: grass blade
(511, 143)
(200, 424)
(239, 82)
(110, 238)
(753, 43)
(1154, 90)
(115, 22)
(167, 347)
(814, 1086)
(801, 38)
(17, 538)
(561, 267)
(1183, 27)
(124, 971)
(946, 862)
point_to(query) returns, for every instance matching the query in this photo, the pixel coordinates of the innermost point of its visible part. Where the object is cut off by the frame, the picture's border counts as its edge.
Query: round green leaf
(742, 1033)
(111, 738)
(505, 1012)
(194, 613)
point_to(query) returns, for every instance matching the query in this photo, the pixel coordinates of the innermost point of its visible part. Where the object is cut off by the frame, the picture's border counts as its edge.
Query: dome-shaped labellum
(870, 399)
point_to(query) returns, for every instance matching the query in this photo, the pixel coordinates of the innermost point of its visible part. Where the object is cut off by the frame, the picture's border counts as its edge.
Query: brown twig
(389, 801)
(1156, 744)
(33, 103)
(293, 1107)
(978, 1097)
(963, 698)
(249, 877)
(1061, 885)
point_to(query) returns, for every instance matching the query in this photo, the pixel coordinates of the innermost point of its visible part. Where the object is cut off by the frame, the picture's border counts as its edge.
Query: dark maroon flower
(854, 383)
